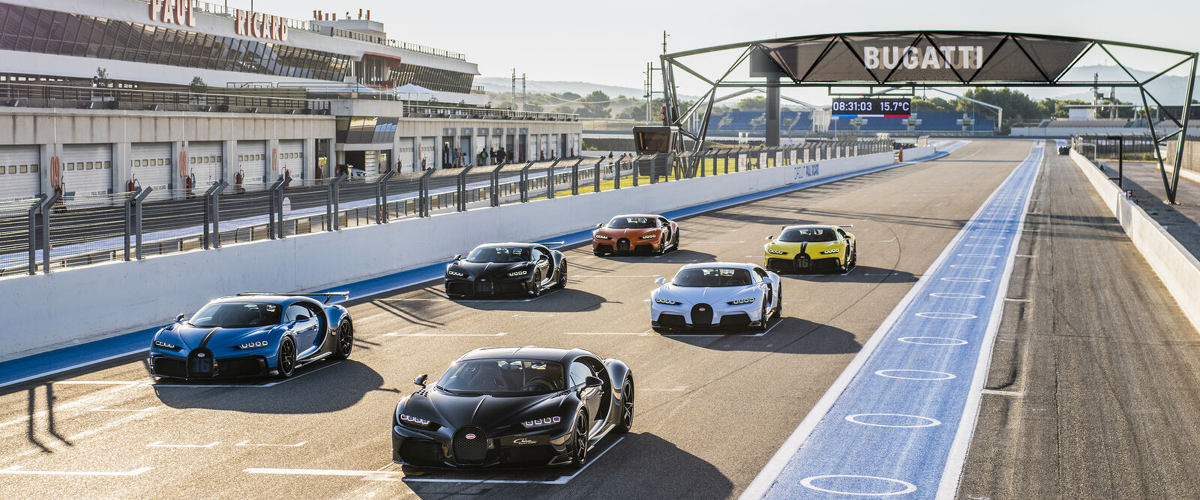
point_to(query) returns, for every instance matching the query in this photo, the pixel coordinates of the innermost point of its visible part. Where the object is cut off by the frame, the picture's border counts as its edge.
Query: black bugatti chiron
(514, 407)
(497, 269)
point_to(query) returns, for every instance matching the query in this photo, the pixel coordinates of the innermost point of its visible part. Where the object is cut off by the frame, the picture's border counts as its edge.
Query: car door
(847, 242)
(768, 288)
(541, 259)
(664, 227)
(304, 326)
(589, 395)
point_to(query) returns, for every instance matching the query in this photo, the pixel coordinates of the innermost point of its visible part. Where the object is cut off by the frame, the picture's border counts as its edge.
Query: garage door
(291, 158)
(19, 168)
(371, 163)
(87, 174)
(406, 156)
(206, 163)
(152, 167)
(427, 153)
(252, 161)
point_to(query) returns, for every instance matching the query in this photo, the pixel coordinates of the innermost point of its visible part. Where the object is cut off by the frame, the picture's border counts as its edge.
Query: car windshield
(497, 377)
(712, 276)
(807, 234)
(631, 223)
(498, 254)
(236, 315)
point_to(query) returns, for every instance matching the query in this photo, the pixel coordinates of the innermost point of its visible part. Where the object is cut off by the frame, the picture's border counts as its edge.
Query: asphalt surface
(711, 410)
(1094, 386)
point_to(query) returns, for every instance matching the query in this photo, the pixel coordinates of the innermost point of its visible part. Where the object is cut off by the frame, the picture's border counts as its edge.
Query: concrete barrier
(1177, 268)
(88, 303)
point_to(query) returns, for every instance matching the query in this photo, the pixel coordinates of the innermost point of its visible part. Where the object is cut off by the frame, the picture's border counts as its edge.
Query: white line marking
(16, 469)
(234, 386)
(533, 315)
(395, 334)
(676, 389)
(1003, 393)
(297, 445)
(101, 408)
(619, 276)
(159, 444)
(953, 279)
(72, 367)
(937, 375)
(968, 296)
(908, 487)
(930, 421)
(945, 315)
(1010, 299)
(96, 382)
(971, 266)
(637, 334)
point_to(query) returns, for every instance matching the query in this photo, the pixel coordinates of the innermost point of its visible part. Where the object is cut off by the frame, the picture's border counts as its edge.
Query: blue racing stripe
(49, 363)
(899, 420)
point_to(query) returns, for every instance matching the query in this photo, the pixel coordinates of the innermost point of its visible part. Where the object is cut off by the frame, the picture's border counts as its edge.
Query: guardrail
(128, 226)
(61, 96)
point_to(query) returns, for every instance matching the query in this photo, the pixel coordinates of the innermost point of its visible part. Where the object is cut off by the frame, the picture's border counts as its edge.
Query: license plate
(525, 441)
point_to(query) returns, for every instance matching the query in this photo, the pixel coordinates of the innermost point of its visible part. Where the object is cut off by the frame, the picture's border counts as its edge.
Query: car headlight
(773, 251)
(456, 273)
(668, 302)
(649, 236)
(738, 302)
(541, 422)
(415, 422)
(253, 345)
(831, 250)
(165, 345)
(519, 273)
(601, 237)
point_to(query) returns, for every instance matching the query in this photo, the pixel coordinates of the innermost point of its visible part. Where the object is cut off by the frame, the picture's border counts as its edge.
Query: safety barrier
(91, 302)
(1177, 268)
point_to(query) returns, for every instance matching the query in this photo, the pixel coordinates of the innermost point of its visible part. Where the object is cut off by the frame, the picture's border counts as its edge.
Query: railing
(296, 24)
(60, 96)
(127, 226)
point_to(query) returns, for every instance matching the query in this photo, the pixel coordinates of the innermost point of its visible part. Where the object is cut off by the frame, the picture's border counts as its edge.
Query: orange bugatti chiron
(638, 233)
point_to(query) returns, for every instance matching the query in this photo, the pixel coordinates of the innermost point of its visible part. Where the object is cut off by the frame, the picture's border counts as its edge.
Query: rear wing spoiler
(326, 296)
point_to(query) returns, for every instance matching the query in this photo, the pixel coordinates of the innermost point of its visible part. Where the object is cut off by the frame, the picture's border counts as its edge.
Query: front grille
(242, 367)
(737, 320)
(539, 455)
(419, 451)
(459, 288)
(623, 245)
(671, 321)
(472, 450)
(510, 287)
(781, 264)
(170, 367)
(803, 262)
(483, 287)
(702, 315)
(200, 363)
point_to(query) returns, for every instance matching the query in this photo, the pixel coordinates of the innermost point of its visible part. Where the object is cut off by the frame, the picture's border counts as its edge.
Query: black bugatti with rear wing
(500, 269)
(514, 407)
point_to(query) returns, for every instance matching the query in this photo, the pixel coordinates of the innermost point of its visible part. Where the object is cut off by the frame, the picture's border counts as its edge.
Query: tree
(1017, 105)
(563, 109)
(595, 105)
(935, 104)
(570, 96)
(756, 103)
(533, 106)
(198, 86)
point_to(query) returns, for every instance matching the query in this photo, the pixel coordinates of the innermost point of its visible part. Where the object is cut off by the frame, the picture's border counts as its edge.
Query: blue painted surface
(49, 363)
(908, 426)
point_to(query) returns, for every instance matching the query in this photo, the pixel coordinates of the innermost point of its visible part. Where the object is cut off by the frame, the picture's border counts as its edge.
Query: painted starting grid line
(899, 419)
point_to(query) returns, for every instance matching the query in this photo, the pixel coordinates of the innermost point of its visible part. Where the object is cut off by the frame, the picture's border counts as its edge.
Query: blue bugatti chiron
(253, 334)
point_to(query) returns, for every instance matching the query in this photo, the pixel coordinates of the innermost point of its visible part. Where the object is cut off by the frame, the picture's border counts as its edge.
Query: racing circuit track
(712, 410)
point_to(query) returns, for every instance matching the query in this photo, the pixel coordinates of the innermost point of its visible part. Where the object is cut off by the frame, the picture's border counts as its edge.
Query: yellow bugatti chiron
(811, 248)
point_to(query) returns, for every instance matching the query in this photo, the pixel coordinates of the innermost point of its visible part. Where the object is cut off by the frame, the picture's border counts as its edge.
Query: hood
(808, 246)
(193, 336)
(484, 411)
(632, 234)
(695, 294)
(488, 269)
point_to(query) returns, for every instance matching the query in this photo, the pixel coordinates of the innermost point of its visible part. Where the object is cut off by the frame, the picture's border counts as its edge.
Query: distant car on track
(811, 248)
(253, 334)
(717, 294)
(636, 233)
(514, 407)
(498, 269)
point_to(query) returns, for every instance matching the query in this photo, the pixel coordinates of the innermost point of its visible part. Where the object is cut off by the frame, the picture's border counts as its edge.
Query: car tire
(579, 442)
(562, 276)
(537, 285)
(286, 364)
(854, 257)
(779, 305)
(763, 319)
(345, 341)
(675, 245)
(627, 400)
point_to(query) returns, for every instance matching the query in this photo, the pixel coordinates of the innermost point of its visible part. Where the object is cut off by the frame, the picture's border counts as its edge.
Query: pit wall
(77, 305)
(1177, 268)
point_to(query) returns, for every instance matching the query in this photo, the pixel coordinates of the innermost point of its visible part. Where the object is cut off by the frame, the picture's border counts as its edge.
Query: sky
(610, 42)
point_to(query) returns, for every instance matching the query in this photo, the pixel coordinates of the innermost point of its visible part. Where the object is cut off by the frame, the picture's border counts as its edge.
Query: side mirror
(420, 380)
(301, 317)
(769, 238)
(592, 381)
(179, 319)
(599, 225)
(660, 281)
(457, 257)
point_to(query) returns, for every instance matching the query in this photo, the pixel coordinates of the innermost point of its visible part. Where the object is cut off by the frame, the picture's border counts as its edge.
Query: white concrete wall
(1177, 268)
(87, 303)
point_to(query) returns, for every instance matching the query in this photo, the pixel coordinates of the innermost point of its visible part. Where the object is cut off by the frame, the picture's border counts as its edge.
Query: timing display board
(871, 107)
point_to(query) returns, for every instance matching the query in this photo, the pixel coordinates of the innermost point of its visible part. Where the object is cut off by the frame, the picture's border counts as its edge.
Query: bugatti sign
(961, 57)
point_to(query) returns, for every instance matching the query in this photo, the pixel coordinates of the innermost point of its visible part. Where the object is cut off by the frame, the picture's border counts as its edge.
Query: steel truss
(839, 43)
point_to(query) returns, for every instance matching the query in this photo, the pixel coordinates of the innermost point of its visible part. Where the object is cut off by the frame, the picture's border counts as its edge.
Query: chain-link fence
(146, 222)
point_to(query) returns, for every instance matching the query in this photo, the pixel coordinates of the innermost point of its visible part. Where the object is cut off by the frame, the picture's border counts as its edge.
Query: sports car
(812, 248)
(253, 334)
(514, 407)
(506, 269)
(716, 294)
(636, 233)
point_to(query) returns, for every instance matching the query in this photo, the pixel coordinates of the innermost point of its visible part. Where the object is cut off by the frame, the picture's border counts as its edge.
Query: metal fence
(146, 222)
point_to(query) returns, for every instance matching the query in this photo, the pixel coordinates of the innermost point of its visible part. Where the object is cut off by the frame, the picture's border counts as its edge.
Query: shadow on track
(322, 387)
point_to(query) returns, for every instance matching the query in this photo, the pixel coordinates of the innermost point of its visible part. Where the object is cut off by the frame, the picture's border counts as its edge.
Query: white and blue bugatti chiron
(717, 294)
